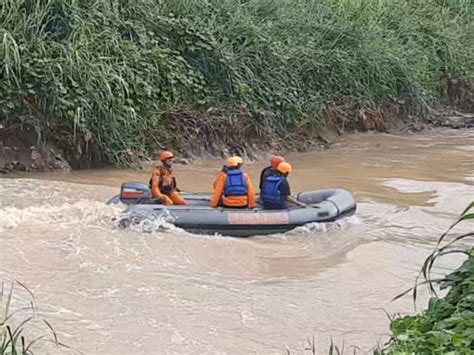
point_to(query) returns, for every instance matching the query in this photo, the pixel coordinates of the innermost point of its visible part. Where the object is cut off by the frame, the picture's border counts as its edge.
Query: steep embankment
(110, 81)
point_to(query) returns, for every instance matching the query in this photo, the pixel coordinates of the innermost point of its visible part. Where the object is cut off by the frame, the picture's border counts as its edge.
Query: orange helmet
(234, 161)
(275, 160)
(166, 154)
(284, 168)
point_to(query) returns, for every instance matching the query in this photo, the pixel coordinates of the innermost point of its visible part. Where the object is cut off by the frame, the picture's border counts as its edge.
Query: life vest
(271, 195)
(167, 182)
(268, 171)
(235, 184)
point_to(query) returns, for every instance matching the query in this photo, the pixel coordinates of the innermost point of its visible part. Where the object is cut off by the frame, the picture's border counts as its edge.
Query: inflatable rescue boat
(197, 217)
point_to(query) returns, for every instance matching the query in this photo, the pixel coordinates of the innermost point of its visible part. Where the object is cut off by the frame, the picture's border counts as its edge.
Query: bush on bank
(447, 326)
(87, 72)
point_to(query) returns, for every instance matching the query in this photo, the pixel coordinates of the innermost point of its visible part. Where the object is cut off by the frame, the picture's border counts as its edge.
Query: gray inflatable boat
(197, 217)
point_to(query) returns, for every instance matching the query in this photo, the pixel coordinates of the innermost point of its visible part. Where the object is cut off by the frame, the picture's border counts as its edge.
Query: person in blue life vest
(276, 192)
(270, 170)
(233, 188)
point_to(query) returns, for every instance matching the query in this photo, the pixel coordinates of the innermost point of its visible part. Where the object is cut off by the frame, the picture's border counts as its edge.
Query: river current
(156, 289)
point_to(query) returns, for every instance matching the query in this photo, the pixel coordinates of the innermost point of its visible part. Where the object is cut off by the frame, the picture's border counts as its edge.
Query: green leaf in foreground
(447, 326)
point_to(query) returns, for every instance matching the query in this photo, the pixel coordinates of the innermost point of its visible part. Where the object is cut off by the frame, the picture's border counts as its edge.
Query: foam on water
(146, 222)
(82, 212)
(318, 227)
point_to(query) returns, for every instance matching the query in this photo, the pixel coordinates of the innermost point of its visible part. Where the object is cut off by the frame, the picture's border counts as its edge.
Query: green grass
(16, 323)
(447, 326)
(108, 71)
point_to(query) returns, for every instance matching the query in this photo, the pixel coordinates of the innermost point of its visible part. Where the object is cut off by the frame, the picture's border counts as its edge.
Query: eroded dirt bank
(28, 149)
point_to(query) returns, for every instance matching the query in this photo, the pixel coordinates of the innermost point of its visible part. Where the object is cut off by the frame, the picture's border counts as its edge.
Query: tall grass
(447, 326)
(108, 70)
(16, 320)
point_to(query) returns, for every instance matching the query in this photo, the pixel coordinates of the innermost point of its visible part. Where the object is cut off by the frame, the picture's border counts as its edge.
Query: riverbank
(21, 150)
(114, 83)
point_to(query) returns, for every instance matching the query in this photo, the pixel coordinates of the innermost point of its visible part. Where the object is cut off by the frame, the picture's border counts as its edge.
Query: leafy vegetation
(12, 331)
(447, 326)
(106, 72)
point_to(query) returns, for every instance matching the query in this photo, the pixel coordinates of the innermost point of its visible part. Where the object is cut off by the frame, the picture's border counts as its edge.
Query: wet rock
(37, 161)
(7, 168)
(14, 166)
(412, 127)
(21, 167)
(453, 119)
(60, 164)
(459, 121)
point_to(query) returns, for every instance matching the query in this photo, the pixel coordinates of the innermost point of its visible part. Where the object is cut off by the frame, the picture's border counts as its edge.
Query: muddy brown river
(160, 290)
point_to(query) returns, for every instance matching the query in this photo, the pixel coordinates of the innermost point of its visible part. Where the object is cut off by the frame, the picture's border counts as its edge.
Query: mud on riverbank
(30, 145)
(22, 149)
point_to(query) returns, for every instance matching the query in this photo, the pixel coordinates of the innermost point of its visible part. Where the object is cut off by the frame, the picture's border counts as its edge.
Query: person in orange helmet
(276, 190)
(270, 170)
(163, 184)
(232, 187)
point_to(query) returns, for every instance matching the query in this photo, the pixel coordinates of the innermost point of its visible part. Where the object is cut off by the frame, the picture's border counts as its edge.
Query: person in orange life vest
(163, 183)
(270, 170)
(232, 187)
